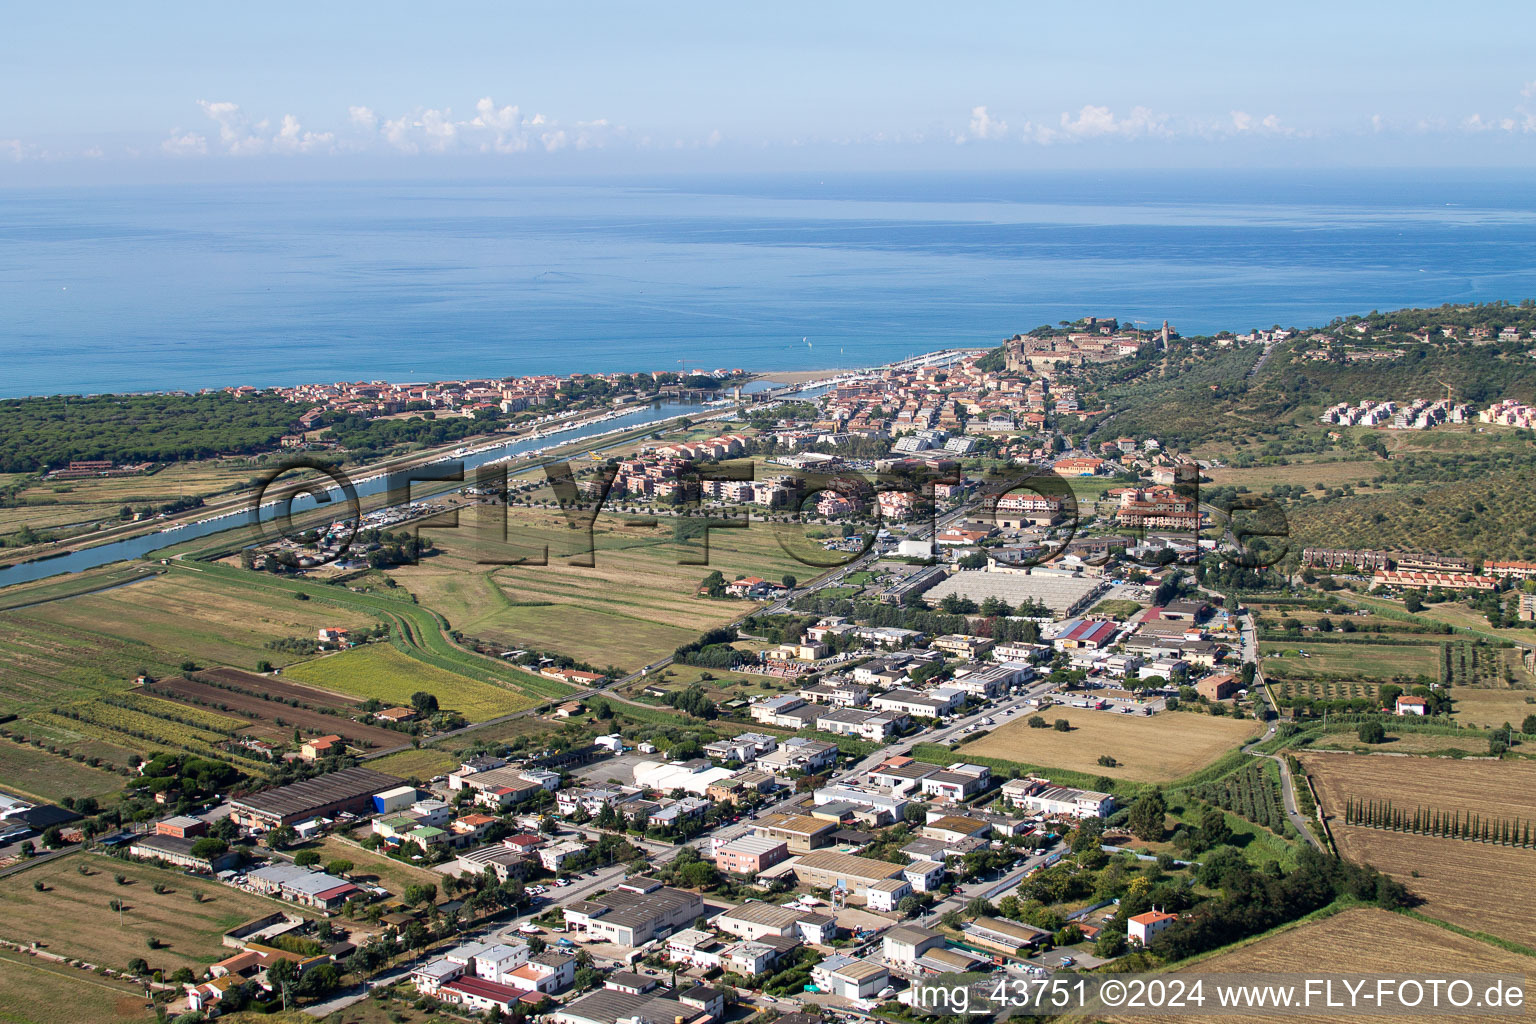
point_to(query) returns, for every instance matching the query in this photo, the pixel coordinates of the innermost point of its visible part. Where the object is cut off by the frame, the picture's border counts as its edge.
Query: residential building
(801, 833)
(1142, 928)
(750, 854)
(1040, 796)
(799, 754)
(957, 782)
(1217, 687)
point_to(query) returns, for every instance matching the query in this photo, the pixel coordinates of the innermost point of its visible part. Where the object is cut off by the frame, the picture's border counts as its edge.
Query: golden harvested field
(1476, 706)
(1352, 942)
(1503, 788)
(1478, 886)
(73, 917)
(1332, 474)
(1154, 749)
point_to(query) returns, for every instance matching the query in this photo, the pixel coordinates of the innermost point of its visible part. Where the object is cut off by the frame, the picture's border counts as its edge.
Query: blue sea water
(147, 288)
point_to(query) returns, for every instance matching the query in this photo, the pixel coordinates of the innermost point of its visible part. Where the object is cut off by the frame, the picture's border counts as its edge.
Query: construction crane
(1448, 393)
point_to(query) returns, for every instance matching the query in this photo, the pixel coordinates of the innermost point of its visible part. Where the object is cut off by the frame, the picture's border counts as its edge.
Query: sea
(117, 289)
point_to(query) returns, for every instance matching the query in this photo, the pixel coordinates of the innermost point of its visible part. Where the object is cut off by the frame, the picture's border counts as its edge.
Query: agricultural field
(723, 686)
(1504, 788)
(1156, 749)
(35, 991)
(50, 503)
(98, 642)
(1492, 708)
(1380, 662)
(422, 763)
(1351, 942)
(1287, 689)
(143, 729)
(30, 772)
(379, 670)
(375, 868)
(274, 719)
(1473, 885)
(1330, 473)
(634, 606)
(1116, 609)
(72, 916)
(1404, 742)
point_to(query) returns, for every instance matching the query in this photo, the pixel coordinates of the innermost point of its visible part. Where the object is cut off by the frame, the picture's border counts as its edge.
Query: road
(1248, 646)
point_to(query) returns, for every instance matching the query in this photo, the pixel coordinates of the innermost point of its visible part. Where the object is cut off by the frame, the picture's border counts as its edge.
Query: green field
(379, 670)
(72, 916)
(636, 604)
(1116, 609)
(419, 764)
(35, 773)
(90, 643)
(1364, 661)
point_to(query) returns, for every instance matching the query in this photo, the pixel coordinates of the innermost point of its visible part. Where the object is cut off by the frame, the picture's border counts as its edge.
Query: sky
(164, 92)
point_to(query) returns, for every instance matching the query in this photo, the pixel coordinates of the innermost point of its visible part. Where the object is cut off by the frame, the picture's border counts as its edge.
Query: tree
(1528, 726)
(306, 858)
(417, 894)
(713, 584)
(1372, 732)
(53, 838)
(339, 866)
(138, 965)
(1036, 722)
(282, 972)
(1214, 829)
(789, 580)
(1062, 725)
(1147, 814)
(1089, 833)
(208, 848)
(423, 702)
(319, 980)
(980, 907)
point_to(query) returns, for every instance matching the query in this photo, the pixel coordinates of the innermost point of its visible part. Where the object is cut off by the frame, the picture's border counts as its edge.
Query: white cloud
(240, 136)
(983, 126)
(185, 144)
(363, 117)
(1093, 121)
